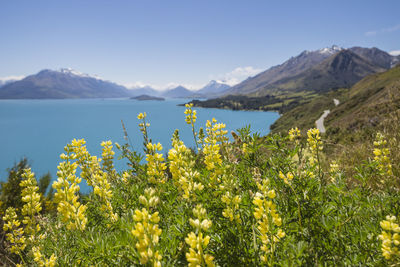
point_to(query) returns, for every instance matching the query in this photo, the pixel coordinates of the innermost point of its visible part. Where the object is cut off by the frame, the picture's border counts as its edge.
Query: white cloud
(11, 78)
(135, 85)
(384, 30)
(395, 53)
(237, 75)
(162, 87)
(370, 33)
(392, 29)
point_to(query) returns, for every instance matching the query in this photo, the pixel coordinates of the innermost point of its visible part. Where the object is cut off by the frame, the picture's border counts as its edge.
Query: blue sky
(183, 42)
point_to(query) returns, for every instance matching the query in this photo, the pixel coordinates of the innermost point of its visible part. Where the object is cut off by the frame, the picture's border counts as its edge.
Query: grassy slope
(367, 103)
(305, 114)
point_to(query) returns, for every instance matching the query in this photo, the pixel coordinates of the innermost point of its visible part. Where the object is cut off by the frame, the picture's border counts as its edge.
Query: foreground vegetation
(280, 200)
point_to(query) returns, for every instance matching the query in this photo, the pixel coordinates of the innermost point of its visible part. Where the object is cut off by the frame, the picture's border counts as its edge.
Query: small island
(147, 97)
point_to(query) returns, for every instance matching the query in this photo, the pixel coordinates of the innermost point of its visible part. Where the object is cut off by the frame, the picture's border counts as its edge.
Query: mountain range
(212, 89)
(319, 70)
(69, 83)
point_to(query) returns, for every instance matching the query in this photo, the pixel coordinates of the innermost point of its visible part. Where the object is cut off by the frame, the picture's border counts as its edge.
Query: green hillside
(367, 104)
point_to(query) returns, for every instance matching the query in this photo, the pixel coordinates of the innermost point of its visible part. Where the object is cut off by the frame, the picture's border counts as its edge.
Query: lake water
(39, 129)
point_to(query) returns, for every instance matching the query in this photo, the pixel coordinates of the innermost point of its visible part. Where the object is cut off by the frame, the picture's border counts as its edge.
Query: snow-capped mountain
(296, 66)
(330, 50)
(213, 88)
(64, 83)
(72, 72)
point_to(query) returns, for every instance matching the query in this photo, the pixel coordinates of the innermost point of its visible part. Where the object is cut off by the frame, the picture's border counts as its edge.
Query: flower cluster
(191, 115)
(155, 164)
(232, 206)
(77, 151)
(314, 144)
(211, 149)
(215, 131)
(286, 178)
(31, 199)
(125, 177)
(197, 241)
(101, 188)
(16, 233)
(294, 134)
(334, 170)
(72, 212)
(268, 219)
(390, 237)
(381, 153)
(94, 174)
(182, 171)
(146, 229)
(107, 156)
(41, 260)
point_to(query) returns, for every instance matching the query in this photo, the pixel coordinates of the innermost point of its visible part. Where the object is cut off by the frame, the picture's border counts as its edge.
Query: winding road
(320, 122)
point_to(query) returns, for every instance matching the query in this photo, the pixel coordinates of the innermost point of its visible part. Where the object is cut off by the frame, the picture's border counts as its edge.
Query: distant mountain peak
(73, 72)
(214, 88)
(63, 83)
(330, 50)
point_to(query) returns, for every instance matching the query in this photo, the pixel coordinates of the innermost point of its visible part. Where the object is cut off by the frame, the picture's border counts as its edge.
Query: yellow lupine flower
(41, 260)
(146, 230)
(390, 237)
(314, 144)
(182, 171)
(265, 212)
(294, 134)
(198, 242)
(108, 156)
(97, 177)
(286, 178)
(32, 204)
(71, 211)
(382, 153)
(155, 164)
(191, 115)
(141, 116)
(16, 233)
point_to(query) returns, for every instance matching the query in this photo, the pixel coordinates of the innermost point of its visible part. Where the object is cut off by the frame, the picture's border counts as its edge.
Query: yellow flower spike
(180, 166)
(16, 233)
(294, 134)
(71, 211)
(198, 243)
(95, 176)
(381, 153)
(146, 231)
(264, 213)
(314, 144)
(155, 164)
(390, 239)
(211, 149)
(32, 204)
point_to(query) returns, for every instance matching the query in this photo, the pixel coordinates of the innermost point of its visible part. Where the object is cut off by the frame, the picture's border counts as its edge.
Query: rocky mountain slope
(317, 69)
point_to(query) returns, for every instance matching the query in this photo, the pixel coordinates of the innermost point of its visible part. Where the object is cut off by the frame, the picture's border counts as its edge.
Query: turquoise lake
(39, 129)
